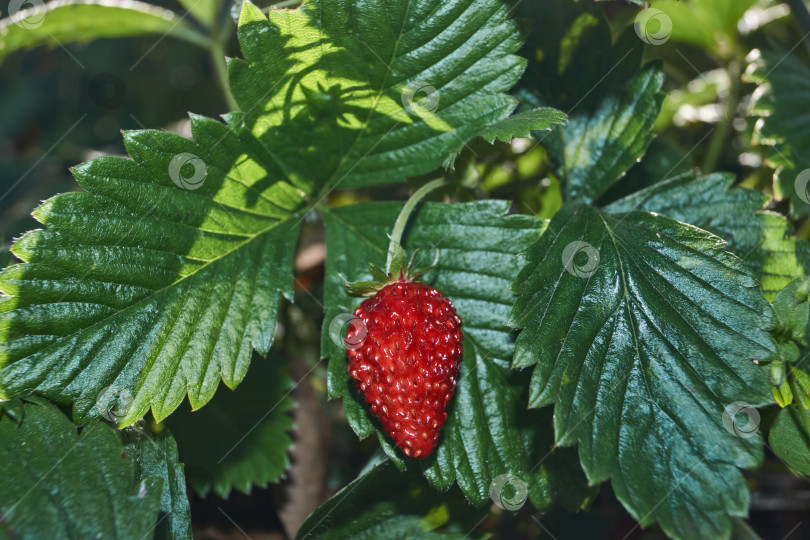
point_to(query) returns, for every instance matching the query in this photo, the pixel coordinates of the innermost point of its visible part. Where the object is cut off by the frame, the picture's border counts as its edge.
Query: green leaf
(65, 21)
(762, 239)
(239, 439)
(709, 26)
(522, 124)
(157, 457)
(610, 103)
(642, 331)
(790, 440)
(386, 503)
(58, 483)
(158, 281)
(784, 89)
(596, 147)
(374, 93)
(792, 309)
(488, 432)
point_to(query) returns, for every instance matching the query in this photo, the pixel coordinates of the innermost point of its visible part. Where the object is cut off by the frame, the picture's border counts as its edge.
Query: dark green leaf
(488, 432)
(642, 331)
(57, 483)
(762, 239)
(522, 124)
(157, 457)
(239, 439)
(789, 438)
(61, 21)
(595, 148)
(610, 103)
(387, 503)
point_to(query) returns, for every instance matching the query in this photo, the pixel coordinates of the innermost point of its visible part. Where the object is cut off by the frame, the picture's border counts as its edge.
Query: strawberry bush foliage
(623, 320)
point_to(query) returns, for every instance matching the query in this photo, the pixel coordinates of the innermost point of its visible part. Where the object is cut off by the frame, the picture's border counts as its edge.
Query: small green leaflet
(240, 438)
(61, 21)
(642, 331)
(70, 485)
(156, 456)
(164, 276)
(488, 432)
(386, 503)
(762, 239)
(522, 124)
(784, 89)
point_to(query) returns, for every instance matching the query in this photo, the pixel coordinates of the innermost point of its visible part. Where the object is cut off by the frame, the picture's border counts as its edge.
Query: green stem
(405, 213)
(724, 125)
(218, 59)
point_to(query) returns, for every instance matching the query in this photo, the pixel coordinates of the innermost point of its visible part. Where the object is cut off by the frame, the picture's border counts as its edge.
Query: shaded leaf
(239, 439)
(642, 330)
(386, 503)
(790, 440)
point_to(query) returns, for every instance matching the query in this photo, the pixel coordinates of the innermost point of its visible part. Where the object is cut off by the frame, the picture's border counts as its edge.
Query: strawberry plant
(439, 269)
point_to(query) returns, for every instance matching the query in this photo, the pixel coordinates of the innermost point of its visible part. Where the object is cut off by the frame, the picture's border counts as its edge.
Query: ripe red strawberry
(407, 365)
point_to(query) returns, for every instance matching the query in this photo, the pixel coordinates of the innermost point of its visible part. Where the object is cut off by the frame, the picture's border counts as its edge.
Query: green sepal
(783, 394)
(396, 255)
(378, 273)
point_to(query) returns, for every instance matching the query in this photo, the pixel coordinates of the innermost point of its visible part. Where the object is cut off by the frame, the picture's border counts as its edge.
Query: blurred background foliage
(66, 100)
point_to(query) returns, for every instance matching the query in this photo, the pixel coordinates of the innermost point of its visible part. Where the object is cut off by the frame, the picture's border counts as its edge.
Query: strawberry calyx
(399, 272)
(395, 267)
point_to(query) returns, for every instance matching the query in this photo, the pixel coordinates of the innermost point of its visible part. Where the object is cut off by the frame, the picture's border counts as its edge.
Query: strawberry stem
(395, 245)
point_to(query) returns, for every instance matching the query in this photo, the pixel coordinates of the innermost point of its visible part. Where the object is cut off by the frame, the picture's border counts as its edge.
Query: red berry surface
(406, 365)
